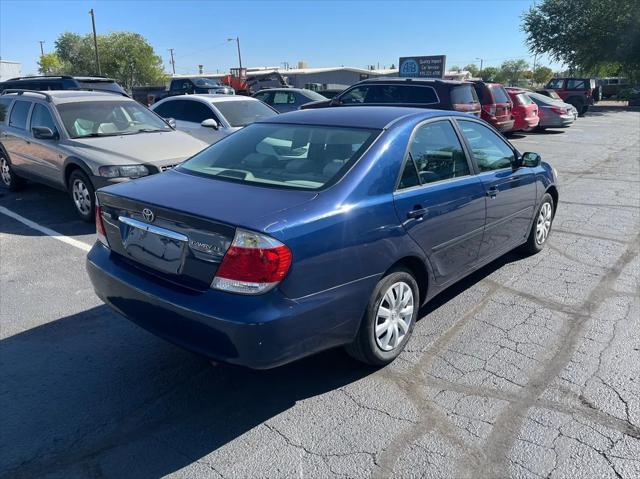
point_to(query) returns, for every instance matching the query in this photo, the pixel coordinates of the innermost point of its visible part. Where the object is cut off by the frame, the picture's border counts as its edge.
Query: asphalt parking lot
(529, 368)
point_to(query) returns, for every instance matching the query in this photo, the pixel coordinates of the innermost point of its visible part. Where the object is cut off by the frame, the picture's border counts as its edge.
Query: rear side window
(499, 94)
(437, 153)
(574, 84)
(391, 94)
(5, 103)
(283, 98)
(463, 94)
(19, 113)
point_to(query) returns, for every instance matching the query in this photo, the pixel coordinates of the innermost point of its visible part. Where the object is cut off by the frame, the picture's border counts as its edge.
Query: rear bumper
(558, 121)
(255, 331)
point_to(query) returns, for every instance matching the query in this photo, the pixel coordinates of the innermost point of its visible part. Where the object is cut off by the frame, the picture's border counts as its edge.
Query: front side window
(281, 155)
(355, 95)
(262, 96)
(195, 112)
(108, 118)
(169, 109)
(19, 113)
(437, 153)
(42, 117)
(239, 113)
(489, 150)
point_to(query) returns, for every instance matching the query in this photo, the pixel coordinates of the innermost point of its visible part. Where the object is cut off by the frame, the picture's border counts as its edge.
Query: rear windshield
(464, 94)
(101, 85)
(499, 94)
(243, 112)
(524, 99)
(280, 155)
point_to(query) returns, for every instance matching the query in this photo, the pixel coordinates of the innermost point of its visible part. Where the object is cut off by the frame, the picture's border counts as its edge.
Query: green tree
(124, 56)
(454, 68)
(473, 69)
(542, 75)
(50, 64)
(513, 70)
(489, 74)
(587, 35)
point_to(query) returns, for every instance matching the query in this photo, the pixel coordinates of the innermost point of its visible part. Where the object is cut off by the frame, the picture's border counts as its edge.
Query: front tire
(83, 195)
(389, 319)
(541, 226)
(9, 179)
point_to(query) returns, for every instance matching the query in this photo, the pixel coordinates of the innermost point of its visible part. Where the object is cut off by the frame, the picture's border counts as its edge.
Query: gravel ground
(529, 368)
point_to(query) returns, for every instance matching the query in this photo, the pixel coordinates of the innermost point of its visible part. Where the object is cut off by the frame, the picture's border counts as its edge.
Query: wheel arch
(419, 270)
(71, 164)
(553, 191)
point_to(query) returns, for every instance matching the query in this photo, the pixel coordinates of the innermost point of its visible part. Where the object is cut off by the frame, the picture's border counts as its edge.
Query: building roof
(375, 117)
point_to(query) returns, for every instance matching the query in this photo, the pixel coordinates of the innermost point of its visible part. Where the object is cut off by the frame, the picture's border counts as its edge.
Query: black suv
(413, 92)
(40, 83)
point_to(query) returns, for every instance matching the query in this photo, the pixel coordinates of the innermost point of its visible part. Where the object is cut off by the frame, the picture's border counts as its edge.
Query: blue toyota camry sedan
(316, 229)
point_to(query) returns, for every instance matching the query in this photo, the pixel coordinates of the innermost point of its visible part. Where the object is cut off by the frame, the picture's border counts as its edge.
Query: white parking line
(44, 230)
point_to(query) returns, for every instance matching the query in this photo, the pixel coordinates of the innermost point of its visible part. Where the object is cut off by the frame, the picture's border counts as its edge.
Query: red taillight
(100, 231)
(559, 110)
(253, 264)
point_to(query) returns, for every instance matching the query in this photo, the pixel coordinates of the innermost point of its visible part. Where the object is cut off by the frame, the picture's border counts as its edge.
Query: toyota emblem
(148, 215)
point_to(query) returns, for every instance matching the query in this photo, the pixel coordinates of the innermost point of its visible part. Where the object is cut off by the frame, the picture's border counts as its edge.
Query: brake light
(490, 109)
(253, 264)
(100, 231)
(559, 110)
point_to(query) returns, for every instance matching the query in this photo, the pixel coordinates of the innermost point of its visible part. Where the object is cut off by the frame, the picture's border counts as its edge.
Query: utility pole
(173, 62)
(237, 39)
(41, 42)
(95, 40)
(480, 72)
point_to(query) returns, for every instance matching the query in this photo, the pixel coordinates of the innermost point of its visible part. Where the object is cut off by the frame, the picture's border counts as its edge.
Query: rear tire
(394, 302)
(541, 227)
(83, 195)
(8, 178)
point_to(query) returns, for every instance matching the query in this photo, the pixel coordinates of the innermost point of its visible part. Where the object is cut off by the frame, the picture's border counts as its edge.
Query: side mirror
(171, 122)
(530, 159)
(210, 123)
(43, 133)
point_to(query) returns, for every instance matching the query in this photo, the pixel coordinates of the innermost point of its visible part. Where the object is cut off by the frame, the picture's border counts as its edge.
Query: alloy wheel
(543, 225)
(5, 171)
(394, 316)
(81, 196)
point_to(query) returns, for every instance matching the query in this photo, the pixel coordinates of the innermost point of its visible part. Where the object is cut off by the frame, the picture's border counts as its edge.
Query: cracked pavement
(529, 368)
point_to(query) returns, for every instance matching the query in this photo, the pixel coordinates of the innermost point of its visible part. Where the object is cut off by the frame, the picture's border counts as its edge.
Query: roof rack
(22, 92)
(35, 77)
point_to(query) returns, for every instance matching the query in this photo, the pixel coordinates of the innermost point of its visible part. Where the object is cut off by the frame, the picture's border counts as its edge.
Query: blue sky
(323, 33)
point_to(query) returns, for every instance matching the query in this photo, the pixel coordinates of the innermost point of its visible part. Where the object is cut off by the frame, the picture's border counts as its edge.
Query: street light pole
(237, 39)
(173, 62)
(95, 40)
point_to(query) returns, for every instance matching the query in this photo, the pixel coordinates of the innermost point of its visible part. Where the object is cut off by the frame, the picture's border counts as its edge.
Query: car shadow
(46, 206)
(91, 391)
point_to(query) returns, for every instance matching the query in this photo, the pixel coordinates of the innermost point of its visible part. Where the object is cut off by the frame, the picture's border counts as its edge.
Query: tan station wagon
(80, 141)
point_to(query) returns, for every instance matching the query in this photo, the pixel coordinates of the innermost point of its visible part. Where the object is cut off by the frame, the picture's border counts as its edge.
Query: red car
(496, 105)
(525, 111)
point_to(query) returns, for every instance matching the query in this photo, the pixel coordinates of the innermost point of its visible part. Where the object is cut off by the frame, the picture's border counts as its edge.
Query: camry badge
(148, 215)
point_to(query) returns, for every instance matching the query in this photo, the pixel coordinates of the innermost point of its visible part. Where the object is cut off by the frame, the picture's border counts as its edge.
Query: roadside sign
(422, 67)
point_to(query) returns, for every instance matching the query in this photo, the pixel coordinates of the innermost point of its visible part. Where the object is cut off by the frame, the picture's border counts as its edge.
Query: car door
(510, 193)
(45, 153)
(440, 201)
(191, 115)
(16, 138)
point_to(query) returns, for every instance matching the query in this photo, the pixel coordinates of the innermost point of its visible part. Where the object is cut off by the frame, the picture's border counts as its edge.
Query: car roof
(376, 117)
(386, 79)
(69, 96)
(210, 98)
(284, 89)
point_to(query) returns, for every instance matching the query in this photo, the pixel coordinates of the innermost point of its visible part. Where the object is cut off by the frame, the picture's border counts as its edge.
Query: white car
(212, 117)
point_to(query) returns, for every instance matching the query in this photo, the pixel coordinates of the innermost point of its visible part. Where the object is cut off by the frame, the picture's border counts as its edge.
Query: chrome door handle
(417, 213)
(493, 191)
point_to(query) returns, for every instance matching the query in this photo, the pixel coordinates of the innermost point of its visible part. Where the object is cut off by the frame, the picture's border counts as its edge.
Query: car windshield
(108, 118)
(206, 82)
(313, 96)
(243, 112)
(283, 155)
